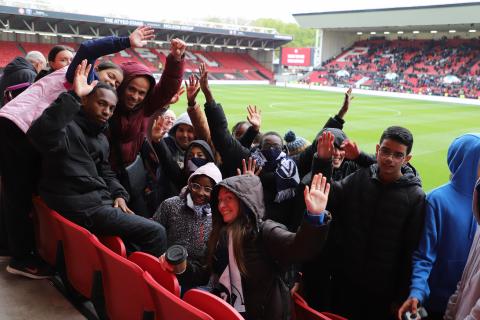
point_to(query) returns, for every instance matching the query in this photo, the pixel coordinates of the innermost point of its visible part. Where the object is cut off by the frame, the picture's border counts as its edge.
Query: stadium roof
(43, 22)
(460, 17)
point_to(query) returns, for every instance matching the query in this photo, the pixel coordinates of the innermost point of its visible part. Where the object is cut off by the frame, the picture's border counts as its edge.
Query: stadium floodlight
(87, 37)
(217, 46)
(433, 31)
(415, 32)
(158, 42)
(203, 45)
(400, 32)
(66, 36)
(242, 48)
(386, 32)
(373, 32)
(359, 33)
(452, 31)
(7, 30)
(254, 48)
(472, 30)
(267, 49)
(230, 47)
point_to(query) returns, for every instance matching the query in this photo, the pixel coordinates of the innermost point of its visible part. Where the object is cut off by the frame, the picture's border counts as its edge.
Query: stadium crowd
(261, 216)
(419, 66)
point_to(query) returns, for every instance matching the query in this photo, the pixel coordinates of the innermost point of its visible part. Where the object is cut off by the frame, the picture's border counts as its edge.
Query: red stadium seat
(304, 312)
(47, 230)
(115, 244)
(126, 293)
(169, 306)
(151, 264)
(81, 258)
(217, 308)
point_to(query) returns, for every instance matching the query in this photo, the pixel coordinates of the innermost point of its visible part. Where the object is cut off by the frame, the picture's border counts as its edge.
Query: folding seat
(82, 262)
(47, 231)
(169, 306)
(125, 291)
(304, 312)
(151, 264)
(217, 308)
(115, 244)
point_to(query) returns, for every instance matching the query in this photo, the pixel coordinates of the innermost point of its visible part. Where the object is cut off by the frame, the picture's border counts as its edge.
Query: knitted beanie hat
(295, 144)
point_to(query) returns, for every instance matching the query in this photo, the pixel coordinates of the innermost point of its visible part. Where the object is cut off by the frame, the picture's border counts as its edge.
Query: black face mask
(195, 163)
(271, 154)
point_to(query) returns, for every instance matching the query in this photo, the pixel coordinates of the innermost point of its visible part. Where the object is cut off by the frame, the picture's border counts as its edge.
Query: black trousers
(138, 233)
(20, 167)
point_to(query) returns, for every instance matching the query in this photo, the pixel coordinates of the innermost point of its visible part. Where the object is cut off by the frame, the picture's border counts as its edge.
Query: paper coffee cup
(176, 256)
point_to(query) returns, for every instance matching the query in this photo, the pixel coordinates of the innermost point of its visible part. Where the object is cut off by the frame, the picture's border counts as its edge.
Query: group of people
(260, 215)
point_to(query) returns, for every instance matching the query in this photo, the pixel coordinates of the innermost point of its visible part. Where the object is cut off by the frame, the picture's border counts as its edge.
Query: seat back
(304, 312)
(81, 257)
(169, 306)
(151, 264)
(217, 308)
(126, 293)
(47, 230)
(333, 316)
(115, 244)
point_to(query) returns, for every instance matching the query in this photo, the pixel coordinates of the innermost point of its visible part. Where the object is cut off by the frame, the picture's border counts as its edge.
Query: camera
(421, 313)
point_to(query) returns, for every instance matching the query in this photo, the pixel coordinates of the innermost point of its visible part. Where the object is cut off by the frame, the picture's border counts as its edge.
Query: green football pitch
(434, 124)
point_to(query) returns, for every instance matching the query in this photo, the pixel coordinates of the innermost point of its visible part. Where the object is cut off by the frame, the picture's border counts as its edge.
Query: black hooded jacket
(16, 72)
(76, 174)
(377, 227)
(267, 252)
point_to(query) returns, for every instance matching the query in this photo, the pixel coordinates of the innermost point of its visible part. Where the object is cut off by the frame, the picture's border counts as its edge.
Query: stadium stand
(222, 65)
(446, 67)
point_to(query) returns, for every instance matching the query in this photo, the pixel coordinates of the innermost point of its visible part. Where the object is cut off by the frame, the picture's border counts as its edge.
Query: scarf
(285, 169)
(199, 210)
(229, 285)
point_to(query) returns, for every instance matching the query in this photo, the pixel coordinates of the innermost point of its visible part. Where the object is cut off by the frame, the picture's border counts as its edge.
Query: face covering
(271, 155)
(195, 163)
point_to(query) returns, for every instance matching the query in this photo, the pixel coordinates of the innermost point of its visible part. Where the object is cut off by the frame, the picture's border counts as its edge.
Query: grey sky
(155, 10)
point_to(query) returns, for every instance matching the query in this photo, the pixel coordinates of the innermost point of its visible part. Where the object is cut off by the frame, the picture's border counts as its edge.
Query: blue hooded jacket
(449, 228)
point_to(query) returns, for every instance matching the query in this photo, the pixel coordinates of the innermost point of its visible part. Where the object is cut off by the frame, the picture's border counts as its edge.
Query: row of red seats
(133, 287)
(120, 287)
(224, 62)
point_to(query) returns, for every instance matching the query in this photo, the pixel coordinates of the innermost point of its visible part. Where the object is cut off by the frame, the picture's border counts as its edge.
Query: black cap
(176, 254)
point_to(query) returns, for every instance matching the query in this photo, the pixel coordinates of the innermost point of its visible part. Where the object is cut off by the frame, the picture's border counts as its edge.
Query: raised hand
(316, 197)
(254, 117)
(204, 83)
(352, 151)
(120, 203)
(346, 103)
(177, 48)
(177, 95)
(250, 169)
(139, 37)
(192, 87)
(80, 82)
(158, 129)
(411, 304)
(325, 145)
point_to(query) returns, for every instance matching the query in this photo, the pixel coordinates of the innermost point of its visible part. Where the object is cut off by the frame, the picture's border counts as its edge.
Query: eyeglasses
(385, 152)
(169, 118)
(197, 187)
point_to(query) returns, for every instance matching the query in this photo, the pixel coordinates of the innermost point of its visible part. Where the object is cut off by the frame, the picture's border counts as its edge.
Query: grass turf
(434, 125)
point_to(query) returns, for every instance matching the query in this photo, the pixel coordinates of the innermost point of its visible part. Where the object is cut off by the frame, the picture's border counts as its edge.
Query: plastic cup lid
(176, 254)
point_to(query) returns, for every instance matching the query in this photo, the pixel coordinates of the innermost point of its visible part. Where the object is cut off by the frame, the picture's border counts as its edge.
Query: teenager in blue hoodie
(448, 233)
